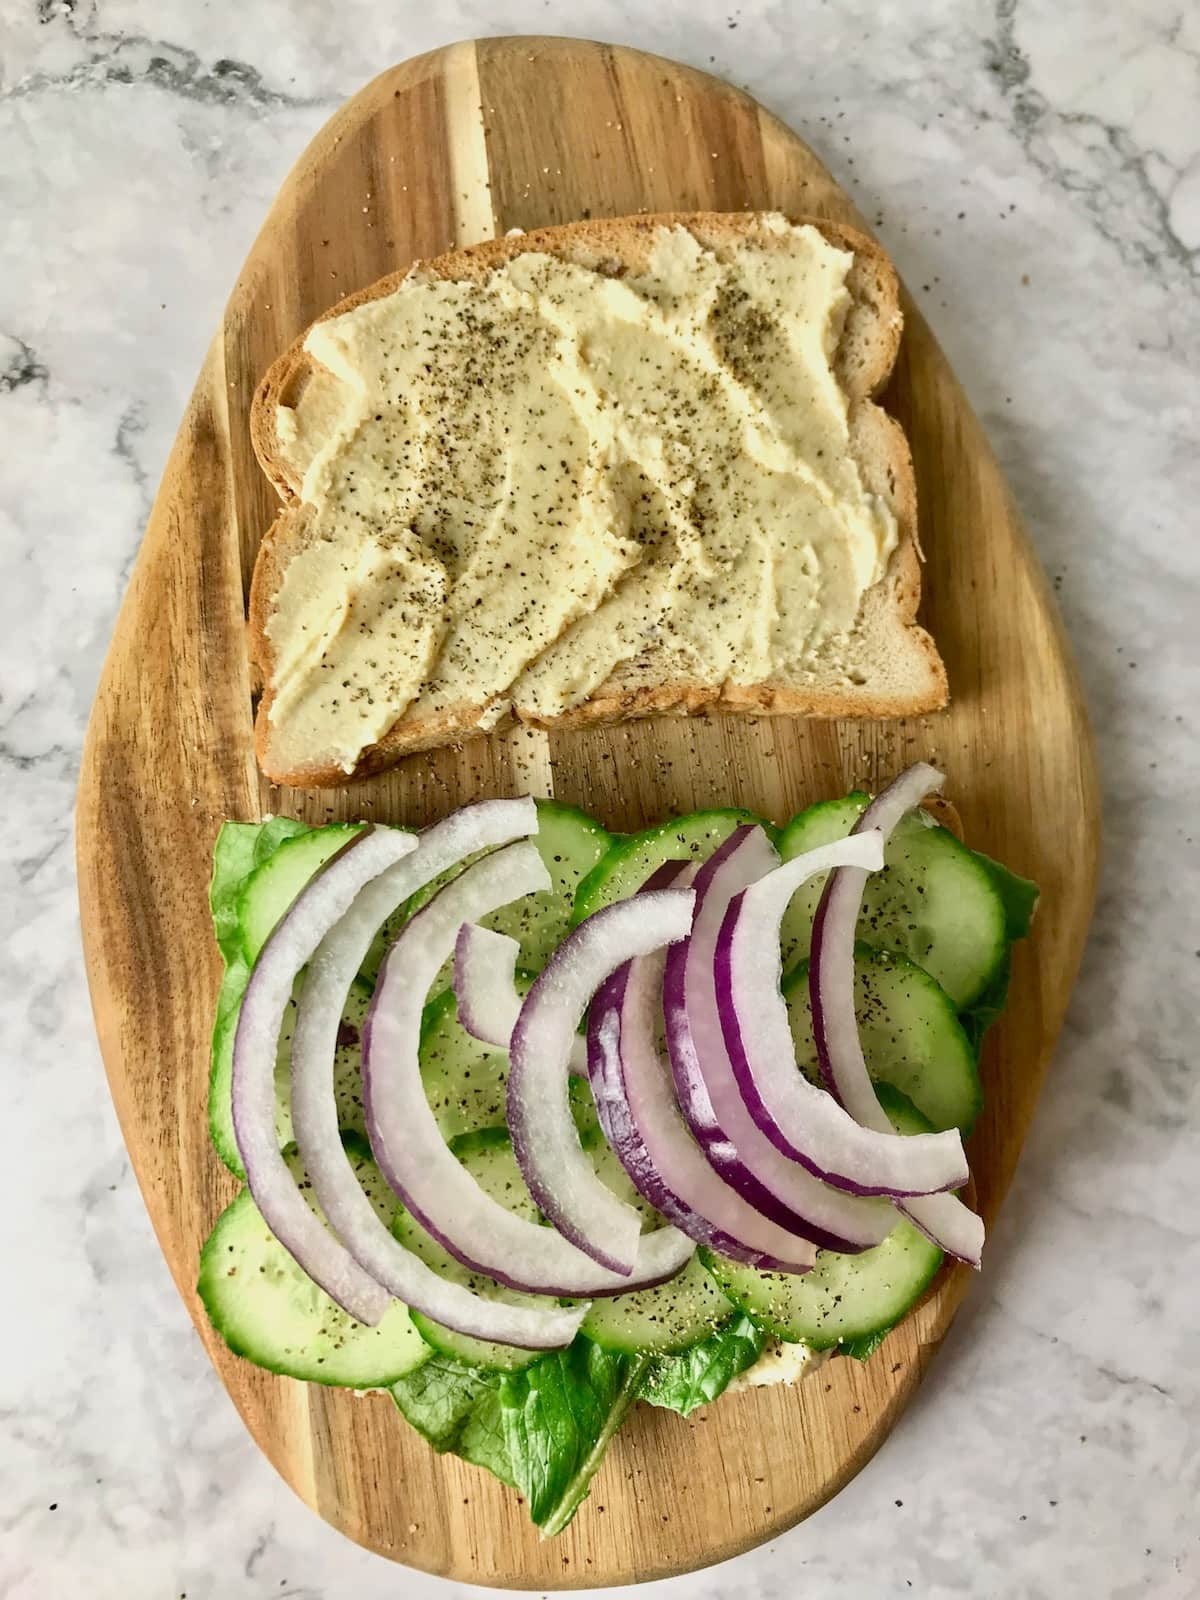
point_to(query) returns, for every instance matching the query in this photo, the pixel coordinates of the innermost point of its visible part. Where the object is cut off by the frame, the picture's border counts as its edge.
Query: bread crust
(863, 361)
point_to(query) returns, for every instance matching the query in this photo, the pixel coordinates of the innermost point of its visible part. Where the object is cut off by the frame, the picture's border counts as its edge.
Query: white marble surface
(1035, 168)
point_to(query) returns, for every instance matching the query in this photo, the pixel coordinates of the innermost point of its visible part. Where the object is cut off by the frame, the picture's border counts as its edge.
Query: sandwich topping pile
(598, 471)
(536, 1122)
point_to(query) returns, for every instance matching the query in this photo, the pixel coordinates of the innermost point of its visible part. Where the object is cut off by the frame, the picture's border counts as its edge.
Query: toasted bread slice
(887, 666)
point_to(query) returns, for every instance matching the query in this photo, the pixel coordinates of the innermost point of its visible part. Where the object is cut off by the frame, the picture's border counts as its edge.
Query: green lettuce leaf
(697, 1375)
(482, 1439)
(457, 1409)
(1019, 897)
(988, 1007)
(558, 1416)
(864, 1347)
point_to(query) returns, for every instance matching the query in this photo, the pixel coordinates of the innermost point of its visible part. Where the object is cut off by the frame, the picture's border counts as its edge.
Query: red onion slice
(803, 1121)
(404, 1135)
(485, 987)
(545, 1141)
(708, 1091)
(331, 970)
(942, 1218)
(286, 1212)
(635, 1101)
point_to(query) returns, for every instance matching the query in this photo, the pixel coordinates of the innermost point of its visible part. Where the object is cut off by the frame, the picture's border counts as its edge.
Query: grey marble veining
(1034, 166)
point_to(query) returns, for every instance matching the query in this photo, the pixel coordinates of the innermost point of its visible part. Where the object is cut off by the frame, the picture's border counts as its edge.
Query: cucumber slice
(220, 1076)
(269, 1310)
(613, 1176)
(465, 1081)
(271, 888)
(935, 901)
(844, 1297)
(347, 1065)
(487, 1156)
(240, 847)
(669, 1317)
(347, 1074)
(631, 861)
(910, 1032)
(570, 843)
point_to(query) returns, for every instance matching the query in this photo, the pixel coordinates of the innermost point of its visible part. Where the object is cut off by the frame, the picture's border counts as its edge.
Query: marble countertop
(1034, 166)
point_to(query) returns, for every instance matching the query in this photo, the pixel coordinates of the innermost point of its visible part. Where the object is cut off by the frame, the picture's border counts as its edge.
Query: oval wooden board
(450, 148)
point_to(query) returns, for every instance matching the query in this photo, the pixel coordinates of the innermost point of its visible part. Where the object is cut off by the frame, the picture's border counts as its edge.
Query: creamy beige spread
(779, 1363)
(517, 484)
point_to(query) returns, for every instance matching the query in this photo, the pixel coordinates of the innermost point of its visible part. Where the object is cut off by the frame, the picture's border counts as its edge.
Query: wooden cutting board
(447, 149)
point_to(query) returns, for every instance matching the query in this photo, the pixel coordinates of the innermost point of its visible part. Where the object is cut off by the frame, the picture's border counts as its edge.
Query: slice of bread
(886, 666)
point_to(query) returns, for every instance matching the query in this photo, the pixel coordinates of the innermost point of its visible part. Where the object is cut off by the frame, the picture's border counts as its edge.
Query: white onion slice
(635, 1101)
(708, 1091)
(330, 972)
(942, 1218)
(485, 987)
(545, 1142)
(405, 1138)
(804, 1121)
(290, 946)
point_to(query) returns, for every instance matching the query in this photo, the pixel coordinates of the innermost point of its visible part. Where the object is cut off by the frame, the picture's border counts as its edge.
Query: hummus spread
(516, 484)
(779, 1363)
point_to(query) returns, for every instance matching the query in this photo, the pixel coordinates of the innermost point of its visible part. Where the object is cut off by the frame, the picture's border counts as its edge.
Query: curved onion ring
(942, 1218)
(802, 1120)
(405, 1138)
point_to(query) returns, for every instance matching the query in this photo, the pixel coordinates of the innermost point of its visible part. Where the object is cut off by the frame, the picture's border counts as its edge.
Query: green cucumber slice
(465, 1081)
(269, 1310)
(271, 888)
(935, 901)
(669, 1317)
(220, 1075)
(487, 1156)
(1018, 895)
(239, 848)
(570, 844)
(347, 1065)
(911, 1036)
(844, 1298)
(631, 861)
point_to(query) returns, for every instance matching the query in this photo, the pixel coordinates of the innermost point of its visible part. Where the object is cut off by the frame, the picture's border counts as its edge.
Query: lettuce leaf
(457, 1409)
(1019, 898)
(558, 1416)
(865, 1346)
(697, 1375)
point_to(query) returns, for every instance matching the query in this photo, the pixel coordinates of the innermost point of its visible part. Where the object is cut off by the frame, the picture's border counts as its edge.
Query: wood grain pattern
(442, 150)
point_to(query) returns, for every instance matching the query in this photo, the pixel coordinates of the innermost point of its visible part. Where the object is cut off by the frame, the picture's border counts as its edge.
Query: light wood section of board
(446, 148)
